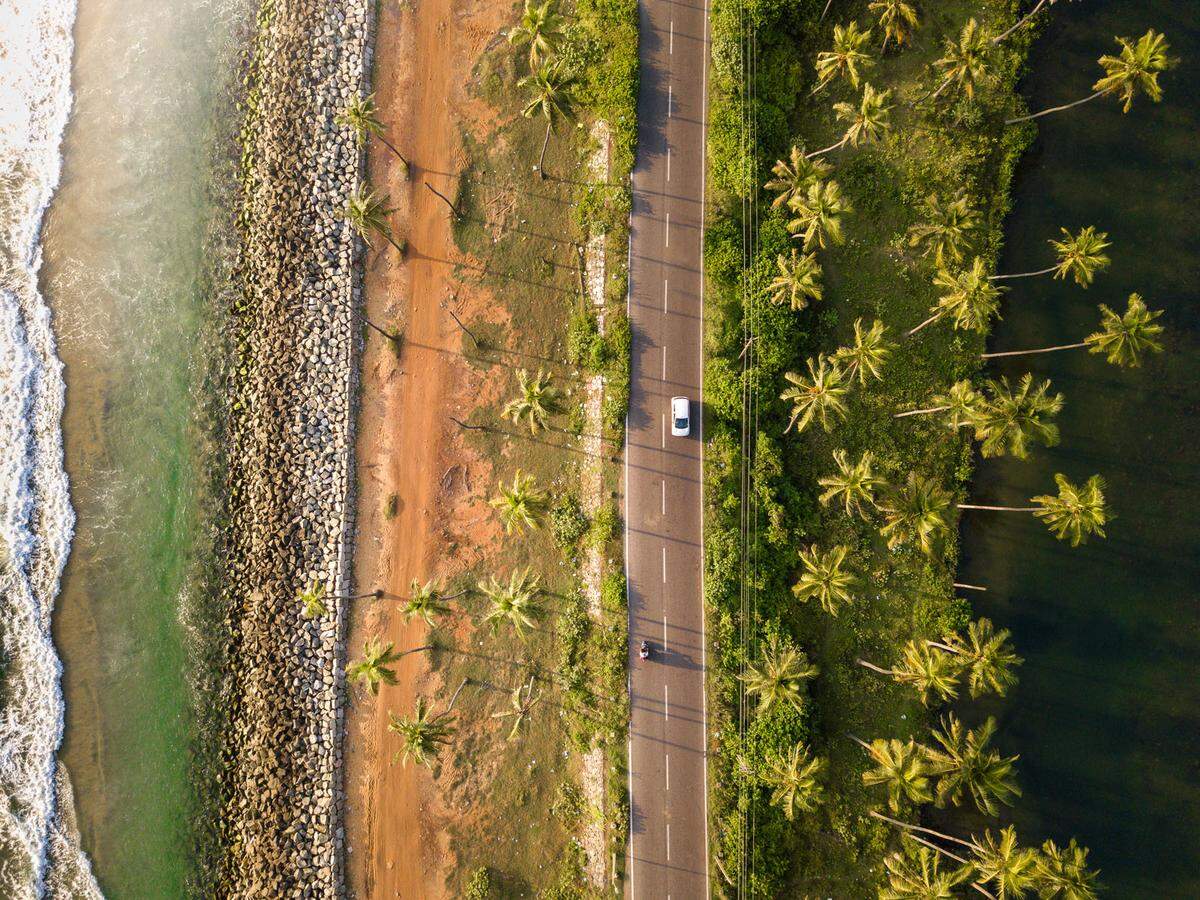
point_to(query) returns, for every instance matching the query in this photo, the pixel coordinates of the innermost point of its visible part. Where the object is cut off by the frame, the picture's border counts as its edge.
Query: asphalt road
(668, 844)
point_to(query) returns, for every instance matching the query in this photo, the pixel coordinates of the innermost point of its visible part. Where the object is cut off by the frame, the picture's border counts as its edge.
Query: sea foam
(39, 847)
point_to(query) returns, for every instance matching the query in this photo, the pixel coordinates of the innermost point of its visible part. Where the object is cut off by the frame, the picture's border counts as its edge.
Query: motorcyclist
(644, 651)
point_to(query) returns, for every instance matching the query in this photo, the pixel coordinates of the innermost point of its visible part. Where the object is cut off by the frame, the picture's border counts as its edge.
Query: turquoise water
(132, 262)
(1107, 714)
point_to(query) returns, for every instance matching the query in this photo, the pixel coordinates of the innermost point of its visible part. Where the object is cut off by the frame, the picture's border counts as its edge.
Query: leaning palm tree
(825, 578)
(1013, 417)
(818, 215)
(552, 93)
(932, 671)
(520, 703)
(1080, 255)
(1010, 869)
(520, 504)
(920, 876)
(1123, 336)
(897, 18)
(374, 668)
(793, 778)
(847, 56)
(779, 677)
(987, 656)
(867, 355)
(798, 281)
(362, 117)
(426, 602)
(1024, 20)
(534, 403)
(423, 734)
(313, 597)
(965, 764)
(820, 397)
(368, 214)
(901, 767)
(963, 403)
(866, 121)
(946, 230)
(1074, 514)
(915, 512)
(969, 297)
(1063, 873)
(853, 485)
(794, 175)
(1133, 71)
(514, 603)
(964, 63)
(540, 27)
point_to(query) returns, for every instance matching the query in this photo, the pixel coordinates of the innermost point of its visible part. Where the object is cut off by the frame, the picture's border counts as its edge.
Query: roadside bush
(568, 523)
(479, 885)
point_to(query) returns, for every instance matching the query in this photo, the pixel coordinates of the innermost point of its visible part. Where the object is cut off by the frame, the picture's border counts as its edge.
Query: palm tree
(794, 781)
(915, 512)
(1134, 70)
(423, 734)
(1011, 869)
(1080, 255)
(535, 402)
(520, 703)
(987, 655)
(865, 121)
(1075, 513)
(961, 401)
(552, 94)
(902, 767)
(367, 214)
(968, 296)
(897, 18)
(819, 215)
(824, 578)
(819, 397)
(794, 175)
(514, 602)
(867, 355)
(847, 55)
(313, 598)
(1063, 873)
(1124, 337)
(965, 764)
(965, 61)
(375, 666)
(540, 28)
(1010, 418)
(520, 505)
(1023, 20)
(854, 484)
(780, 675)
(921, 877)
(923, 666)
(362, 117)
(426, 602)
(946, 230)
(798, 281)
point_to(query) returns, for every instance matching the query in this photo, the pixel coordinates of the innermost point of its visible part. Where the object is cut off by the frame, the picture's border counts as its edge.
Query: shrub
(479, 885)
(605, 524)
(568, 523)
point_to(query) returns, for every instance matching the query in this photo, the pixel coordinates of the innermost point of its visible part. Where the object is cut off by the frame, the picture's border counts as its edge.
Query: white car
(681, 419)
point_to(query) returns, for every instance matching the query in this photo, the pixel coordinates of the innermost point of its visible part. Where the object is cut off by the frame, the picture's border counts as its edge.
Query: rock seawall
(289, 445)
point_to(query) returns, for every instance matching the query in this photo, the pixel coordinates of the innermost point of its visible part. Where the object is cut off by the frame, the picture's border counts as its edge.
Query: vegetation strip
(849, 299)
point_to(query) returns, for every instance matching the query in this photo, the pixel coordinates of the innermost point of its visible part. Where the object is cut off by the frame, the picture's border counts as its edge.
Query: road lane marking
(668, 842)
(664, 631)
(668, 164)
(666, 282)
(664, 378)
(664, 430)
(664, 565)
(671, 45)
(670, 97)
(666, 704)
(668, 232)
(668, 758)
(664, 497)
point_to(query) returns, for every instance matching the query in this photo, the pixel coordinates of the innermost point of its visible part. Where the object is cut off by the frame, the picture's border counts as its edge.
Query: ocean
(113, 205)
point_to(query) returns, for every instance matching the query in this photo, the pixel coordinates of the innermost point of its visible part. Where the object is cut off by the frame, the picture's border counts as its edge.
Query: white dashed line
(665, 291)
(664, 631)
(668, 842)
(664, 430)
(670, 99)
(671, 44)
(668, 164)
(668, 761)
(664, 497)
(664, 377)
(666, 704)
(668, 230)
(664, 565)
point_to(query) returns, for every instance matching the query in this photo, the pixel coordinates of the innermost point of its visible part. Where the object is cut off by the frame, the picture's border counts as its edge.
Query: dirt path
(424, 58)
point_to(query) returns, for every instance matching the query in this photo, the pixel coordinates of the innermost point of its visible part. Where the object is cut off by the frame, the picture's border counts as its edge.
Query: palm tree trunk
(461, 424)
(1046, 112)
(977, 886)
(945, 647)
(873, 668)
(824, 12)
(825, 149)
(1038, 350)
(859, 740)
(542, 156)
(399, 155)
(937, 315)
(920, 412)
(1025, 18)
(391, 240)
(969, 587)
(1022, 274)
(444, 199)
(462, 684)
(907, 826)
(998, 508)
